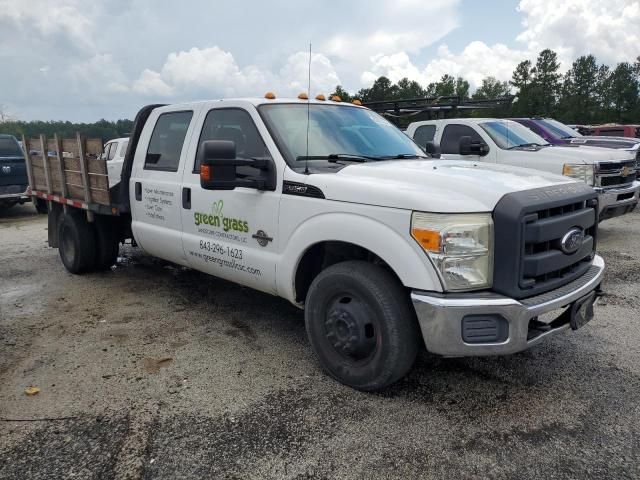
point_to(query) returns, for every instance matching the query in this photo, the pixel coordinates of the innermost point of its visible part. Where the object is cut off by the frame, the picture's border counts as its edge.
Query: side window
(236, 125)
(166, 141)
(450, 142)
(424, 134)
(111, 151)
(123, 148)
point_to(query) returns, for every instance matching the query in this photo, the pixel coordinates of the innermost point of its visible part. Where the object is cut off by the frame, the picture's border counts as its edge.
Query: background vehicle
(557, 133)
(13, 173)
(114, 151)
(615, 130)
(612, 173)
(345, 217)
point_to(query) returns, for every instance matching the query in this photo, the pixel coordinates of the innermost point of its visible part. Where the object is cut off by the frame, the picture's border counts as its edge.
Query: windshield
(335, 130)
(508, 134)
(9, 147)
(558, 129)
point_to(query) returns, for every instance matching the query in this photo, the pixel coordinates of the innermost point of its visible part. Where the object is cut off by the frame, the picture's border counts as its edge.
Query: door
(231, 233)
(450, 143)
(154, 188)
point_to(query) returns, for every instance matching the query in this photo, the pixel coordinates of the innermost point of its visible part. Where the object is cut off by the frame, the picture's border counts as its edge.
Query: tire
(361, 325)
(41, 206)
(76, 243)
(107, 243)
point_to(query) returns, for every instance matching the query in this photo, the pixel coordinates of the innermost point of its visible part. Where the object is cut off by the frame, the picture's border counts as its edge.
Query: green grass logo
(217, 219)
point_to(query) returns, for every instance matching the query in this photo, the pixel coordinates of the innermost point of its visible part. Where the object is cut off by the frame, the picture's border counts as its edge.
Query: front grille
(545, 265)
(615, 174)
(529, 227)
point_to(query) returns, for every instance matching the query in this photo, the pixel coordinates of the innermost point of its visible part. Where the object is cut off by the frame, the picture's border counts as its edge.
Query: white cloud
(609, 29)
(67, 18)
(214, 72)
(477, 61)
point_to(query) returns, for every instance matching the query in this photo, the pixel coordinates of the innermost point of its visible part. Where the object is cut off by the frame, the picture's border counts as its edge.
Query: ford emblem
(572, 241)
(6, 169)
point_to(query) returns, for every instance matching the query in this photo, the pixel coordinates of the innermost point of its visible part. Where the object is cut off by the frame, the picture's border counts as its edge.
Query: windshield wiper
(334, 157)
(526, 145)
(401, 156)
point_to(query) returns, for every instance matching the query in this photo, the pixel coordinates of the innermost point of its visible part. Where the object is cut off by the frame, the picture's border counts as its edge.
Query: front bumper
(614, 202)
(14, 192)
(441, 316)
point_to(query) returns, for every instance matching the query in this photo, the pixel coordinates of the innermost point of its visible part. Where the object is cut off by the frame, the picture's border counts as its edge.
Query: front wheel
(361, 325)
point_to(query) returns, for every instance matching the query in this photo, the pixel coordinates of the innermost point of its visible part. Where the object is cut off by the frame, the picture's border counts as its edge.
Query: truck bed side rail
(69, 171)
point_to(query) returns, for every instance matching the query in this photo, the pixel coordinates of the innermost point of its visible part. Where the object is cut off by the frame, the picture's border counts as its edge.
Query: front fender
(400, 252)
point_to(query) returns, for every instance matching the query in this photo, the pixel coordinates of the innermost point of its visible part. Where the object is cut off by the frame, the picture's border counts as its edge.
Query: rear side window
(450, 142)
(167, 140)
(424, 134)
(123, 149)
(236, 125)
(111, 150)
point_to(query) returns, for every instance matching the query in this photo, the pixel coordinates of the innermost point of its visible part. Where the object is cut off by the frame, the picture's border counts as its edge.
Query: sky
(83, 61)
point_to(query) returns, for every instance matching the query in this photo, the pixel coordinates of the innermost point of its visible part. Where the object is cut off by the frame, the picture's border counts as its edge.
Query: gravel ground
(153, 371)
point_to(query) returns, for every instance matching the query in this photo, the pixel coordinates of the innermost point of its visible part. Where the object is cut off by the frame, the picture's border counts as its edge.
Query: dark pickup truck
(14, 182)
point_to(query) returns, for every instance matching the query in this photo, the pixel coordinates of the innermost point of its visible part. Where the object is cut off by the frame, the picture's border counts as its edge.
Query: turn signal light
(270, 96)
(205, 173)
(428, 239)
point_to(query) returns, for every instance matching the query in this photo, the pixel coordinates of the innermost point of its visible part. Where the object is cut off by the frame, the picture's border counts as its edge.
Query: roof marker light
(270, 96)
(336, 98)
(320, 97)
(303, 96)
(357, 102)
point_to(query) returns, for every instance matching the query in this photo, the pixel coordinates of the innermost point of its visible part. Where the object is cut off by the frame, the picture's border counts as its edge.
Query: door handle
(138, 191)
(186, 198)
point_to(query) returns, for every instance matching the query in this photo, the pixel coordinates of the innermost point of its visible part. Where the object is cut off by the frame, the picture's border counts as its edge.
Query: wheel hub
(350, 329)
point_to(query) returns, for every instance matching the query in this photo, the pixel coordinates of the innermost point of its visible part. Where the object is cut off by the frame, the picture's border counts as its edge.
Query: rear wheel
(41, 206)
(76, 243)
(361, 325)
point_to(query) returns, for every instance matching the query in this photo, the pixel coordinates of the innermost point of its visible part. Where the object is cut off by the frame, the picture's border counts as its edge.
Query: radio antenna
(306, 163)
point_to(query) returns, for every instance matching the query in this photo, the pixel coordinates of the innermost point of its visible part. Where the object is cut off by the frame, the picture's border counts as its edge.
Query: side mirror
(432, 149)
(219, 168)
(470, 147)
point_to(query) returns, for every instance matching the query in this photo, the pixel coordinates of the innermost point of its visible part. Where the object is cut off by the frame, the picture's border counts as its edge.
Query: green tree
(579, 102)
(446, 87)
(622, 95)
(522, 80)
(492, 88)
(462, 88)
(382, 89)
(342, 93)
(546, 82)
(409, 89)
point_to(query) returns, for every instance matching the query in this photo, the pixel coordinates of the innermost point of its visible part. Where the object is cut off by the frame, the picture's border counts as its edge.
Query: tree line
(104, 129)
(588, 93)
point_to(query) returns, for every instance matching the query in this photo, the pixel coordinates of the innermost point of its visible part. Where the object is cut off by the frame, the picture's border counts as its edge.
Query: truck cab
(612, 173)
(333, 208)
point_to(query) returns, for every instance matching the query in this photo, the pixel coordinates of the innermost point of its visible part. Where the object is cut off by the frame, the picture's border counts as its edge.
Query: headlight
(579, 172)
(460, 246)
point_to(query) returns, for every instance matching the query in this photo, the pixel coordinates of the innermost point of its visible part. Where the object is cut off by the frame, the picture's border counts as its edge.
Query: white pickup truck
(331, 207)
(612, 173)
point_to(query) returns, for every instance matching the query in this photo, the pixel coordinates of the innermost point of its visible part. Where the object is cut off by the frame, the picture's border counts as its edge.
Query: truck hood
(431, 185)
(583, 154)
